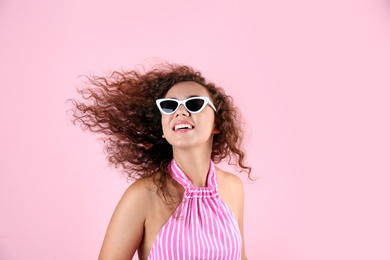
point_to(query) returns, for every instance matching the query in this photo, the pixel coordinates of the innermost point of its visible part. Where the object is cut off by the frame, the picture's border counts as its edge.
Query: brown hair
(122, 107)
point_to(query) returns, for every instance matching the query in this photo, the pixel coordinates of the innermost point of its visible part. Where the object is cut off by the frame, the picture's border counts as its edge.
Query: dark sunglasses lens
(168, 106)
(194, 105)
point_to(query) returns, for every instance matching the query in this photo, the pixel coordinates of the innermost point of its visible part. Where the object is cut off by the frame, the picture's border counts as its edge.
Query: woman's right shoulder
(126, 228)
(137, 202)
(143, 190)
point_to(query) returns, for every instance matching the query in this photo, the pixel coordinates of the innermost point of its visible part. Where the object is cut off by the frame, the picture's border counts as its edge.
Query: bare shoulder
(144, 186)
(126, 229)
(227, 180)
(136, 201)
(231, 191)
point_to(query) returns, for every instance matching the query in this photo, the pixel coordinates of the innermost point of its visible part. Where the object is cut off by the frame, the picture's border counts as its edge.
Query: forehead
(187, 89)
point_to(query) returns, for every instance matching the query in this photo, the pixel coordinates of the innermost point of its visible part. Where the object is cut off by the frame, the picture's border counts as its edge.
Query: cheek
(164, 122)
(208, 122)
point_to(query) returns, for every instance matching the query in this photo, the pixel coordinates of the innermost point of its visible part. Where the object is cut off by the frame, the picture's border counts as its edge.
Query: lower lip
(182, 130)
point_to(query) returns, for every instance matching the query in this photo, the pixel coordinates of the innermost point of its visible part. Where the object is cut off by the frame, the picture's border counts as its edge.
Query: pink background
(312, 79)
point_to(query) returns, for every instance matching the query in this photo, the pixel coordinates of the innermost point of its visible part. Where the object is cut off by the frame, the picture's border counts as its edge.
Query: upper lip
(180, 122)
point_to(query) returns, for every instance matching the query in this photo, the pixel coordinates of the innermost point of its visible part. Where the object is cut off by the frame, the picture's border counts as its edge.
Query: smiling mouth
(183, 127)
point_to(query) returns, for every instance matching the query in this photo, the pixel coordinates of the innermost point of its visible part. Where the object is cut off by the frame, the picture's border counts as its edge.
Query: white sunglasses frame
(183, 102)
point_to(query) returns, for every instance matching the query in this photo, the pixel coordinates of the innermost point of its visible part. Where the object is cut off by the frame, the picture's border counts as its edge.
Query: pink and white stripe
(202, 227)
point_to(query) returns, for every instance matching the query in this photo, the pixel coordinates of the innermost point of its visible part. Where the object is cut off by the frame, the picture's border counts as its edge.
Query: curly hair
(122, 108)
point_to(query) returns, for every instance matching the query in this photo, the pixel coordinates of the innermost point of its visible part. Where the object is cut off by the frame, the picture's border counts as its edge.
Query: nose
(181, 110)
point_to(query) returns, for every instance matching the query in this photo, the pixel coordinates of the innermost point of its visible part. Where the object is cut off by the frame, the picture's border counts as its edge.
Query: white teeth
(183, 126)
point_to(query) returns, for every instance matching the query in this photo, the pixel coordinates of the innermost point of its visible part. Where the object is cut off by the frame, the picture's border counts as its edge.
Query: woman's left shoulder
(231, 191)
(229, 181)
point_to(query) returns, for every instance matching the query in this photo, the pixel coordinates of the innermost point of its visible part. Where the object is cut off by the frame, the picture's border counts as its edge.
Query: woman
(166, 128)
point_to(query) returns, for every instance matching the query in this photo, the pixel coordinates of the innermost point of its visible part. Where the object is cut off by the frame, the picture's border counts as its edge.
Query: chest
(200, 228)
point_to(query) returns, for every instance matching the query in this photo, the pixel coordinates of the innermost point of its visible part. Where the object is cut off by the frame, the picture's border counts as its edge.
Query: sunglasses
(193, 105)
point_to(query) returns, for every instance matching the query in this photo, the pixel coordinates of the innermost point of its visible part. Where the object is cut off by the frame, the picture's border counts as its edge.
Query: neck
(194, 163)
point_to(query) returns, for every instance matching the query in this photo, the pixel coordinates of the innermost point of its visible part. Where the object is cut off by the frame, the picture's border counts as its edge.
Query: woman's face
(184, 129)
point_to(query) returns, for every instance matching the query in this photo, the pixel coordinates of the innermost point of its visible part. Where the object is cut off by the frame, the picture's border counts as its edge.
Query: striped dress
(202, 227)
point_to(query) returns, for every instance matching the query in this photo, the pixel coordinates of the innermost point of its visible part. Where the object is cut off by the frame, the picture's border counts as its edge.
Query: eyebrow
(186, 97)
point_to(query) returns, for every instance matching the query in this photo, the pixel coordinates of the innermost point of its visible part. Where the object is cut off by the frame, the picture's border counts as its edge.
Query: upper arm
(239, 202)
(125, 231)
(231, 190)
(240, 219)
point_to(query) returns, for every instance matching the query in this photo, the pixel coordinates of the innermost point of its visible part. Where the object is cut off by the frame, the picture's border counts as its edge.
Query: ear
(216, 131)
